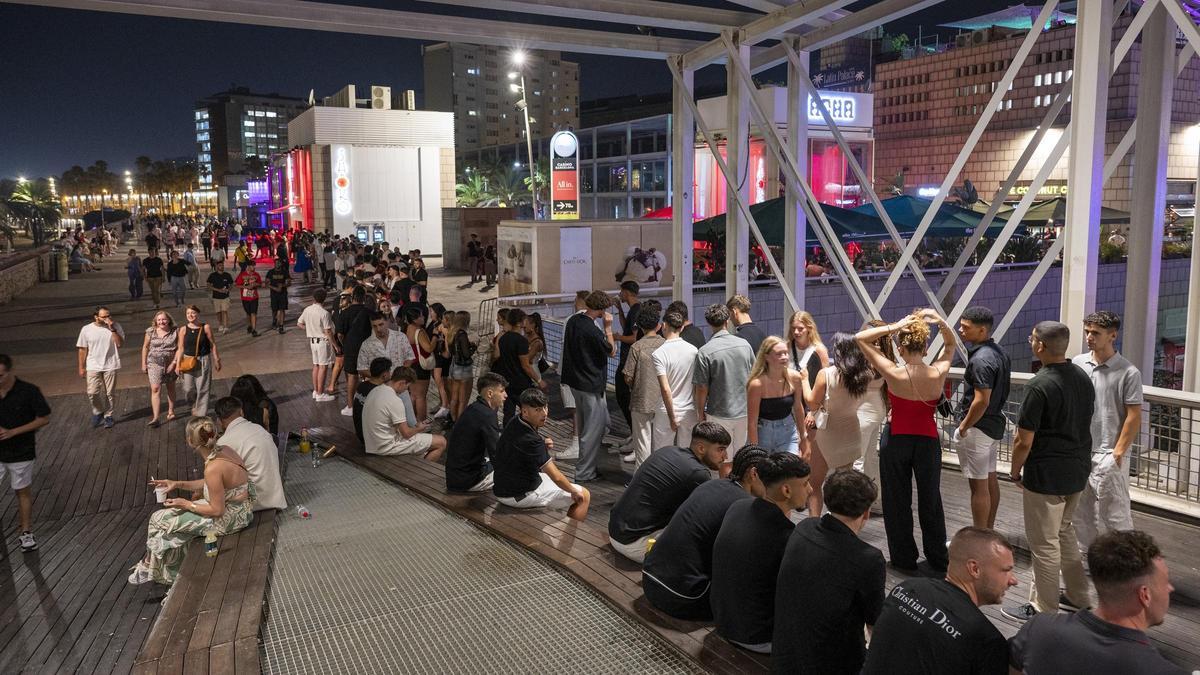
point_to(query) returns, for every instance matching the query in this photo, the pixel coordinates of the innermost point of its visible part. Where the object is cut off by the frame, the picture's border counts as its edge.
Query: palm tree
(34, 205)
(508, 188)
(472, 191)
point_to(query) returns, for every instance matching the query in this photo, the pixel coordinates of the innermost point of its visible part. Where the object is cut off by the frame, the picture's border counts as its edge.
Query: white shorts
(20, 473)
(635, 551)
(416, 445)
(977, 454)
(322, 351)
(568, 398)
(547, 495)
(736, 426)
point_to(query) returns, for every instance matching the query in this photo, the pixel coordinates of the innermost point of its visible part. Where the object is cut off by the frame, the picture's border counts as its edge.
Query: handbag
(189, 363)
(821, 418)
(424, 359)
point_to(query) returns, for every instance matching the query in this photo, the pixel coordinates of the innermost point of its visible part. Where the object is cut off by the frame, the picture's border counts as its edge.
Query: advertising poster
(575, 258)
(515, 260)
(564, 176)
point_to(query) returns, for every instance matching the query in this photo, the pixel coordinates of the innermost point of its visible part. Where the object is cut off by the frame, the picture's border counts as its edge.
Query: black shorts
(251, 306)
(422, 374)
(278, 301)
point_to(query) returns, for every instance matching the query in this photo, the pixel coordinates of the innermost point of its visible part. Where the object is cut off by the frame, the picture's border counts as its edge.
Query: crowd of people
(757, 459)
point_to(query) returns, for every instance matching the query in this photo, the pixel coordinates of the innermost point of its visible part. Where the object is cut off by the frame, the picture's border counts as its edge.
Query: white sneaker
(628, 459)
(323, 398)
(441, 412)
(348, 411)
(140, 575)
(28, 543)
(569, 452)
(314, 395)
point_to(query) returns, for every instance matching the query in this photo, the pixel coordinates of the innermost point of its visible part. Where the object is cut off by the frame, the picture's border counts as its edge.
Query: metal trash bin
(59, 263)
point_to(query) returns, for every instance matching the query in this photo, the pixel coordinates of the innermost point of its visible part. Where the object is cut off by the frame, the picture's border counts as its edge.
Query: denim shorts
(779, 435)
(458, 372)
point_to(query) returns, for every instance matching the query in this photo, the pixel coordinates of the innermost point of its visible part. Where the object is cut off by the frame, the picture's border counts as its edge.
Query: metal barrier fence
(1164, 462)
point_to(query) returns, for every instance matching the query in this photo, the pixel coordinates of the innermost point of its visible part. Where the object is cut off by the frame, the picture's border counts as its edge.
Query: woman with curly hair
(909, 445)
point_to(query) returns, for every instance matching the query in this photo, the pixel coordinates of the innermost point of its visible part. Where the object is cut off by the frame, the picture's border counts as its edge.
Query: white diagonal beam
(918, 276)
(1184, 22)
(765, 28)
(960, 161)
(788, 163)
(635, 12)
(306, 15)
(848, 26)
(731, 183)
(1031, 284)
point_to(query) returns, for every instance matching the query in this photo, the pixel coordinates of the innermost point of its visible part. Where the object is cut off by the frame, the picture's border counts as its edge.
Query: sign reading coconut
(564, 176)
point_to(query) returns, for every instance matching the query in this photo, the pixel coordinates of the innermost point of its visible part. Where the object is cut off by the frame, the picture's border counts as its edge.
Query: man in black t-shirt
(219, 283)
(278, 280)
(23, 410)
(661, 484)
(749, 549)
(739, 309)
(474, 250)
(524, 476)
(1134, 588)
(511, 360)
(836, 577)
(155, 269)
(981, 413)
(677, 574)
(629, 335)
(380, 370)
(473, 439)
(353, 325)
(586, 349)
(1051, 460)
(934, 626)
(690, 334)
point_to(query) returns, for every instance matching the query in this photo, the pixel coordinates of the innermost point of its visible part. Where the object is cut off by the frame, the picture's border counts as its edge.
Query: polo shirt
(520, 455)
(585, 355)
(931, 627)
(471, 443)
(511, 347)
(23, 404)
(838, 579)
(723, 365)
(988, 367)
(1058, 643)
(682, 557)
(661, 484)
(1058, 407)
(1118, 383)
(645, 396)
(746, 558)
(676, 360)
(751, 334)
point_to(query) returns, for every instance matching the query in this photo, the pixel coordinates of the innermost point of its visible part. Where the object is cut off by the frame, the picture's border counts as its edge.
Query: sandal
(153, 423)
(170, 416)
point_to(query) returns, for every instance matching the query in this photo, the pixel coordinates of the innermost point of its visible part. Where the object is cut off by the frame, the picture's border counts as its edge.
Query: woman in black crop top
(775, 414)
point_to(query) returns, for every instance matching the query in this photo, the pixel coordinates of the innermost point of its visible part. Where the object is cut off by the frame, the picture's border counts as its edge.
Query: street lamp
(518, 59)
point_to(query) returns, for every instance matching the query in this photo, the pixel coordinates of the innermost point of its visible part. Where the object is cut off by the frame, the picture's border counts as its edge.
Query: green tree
(508, 188)
(34, 206)
(472, 191)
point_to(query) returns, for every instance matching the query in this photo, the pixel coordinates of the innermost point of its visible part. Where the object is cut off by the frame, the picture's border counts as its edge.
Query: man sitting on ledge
(661, 484)
(387, 428)
(258, 450)
(472, 441)
(678, 570)
(525, 476)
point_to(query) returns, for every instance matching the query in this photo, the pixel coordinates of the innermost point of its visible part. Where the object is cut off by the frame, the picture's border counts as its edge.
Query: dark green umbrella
(770, 216)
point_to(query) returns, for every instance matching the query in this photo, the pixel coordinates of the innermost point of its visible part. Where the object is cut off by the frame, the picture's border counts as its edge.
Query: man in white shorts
(524, 476)
(318, 326)
(387, 428)
(674, 363)
(23, 410)
(981, 413)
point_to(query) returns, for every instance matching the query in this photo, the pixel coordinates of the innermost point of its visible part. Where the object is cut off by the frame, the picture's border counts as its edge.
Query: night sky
(80, 86)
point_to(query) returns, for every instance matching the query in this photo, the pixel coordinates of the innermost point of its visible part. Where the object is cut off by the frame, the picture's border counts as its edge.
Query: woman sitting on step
(225, 509)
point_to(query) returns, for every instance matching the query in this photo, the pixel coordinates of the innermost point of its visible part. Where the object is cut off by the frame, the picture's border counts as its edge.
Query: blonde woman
(775, 401)
(909, 446)
(226, 507)
(806, 351)
(158, 362)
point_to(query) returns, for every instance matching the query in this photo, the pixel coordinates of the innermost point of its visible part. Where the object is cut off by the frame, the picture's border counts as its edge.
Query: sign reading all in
(1049, 190)
(564, 176)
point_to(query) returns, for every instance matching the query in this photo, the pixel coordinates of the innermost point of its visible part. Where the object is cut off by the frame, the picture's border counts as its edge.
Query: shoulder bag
(189, 363)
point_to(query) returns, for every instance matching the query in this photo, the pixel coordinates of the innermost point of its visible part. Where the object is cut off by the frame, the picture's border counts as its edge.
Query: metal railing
(1164, 462)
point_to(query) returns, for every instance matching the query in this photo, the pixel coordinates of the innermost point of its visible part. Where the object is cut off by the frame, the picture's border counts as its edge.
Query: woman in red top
(909, 446)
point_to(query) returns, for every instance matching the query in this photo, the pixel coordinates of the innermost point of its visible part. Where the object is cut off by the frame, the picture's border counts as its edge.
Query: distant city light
(20, 179)
(518, 57)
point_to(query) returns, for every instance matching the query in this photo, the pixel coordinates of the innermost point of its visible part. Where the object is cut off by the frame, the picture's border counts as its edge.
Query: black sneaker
(1068, 606)
(249, 329)
(1022, 613)
(254, 333)
(281, 330)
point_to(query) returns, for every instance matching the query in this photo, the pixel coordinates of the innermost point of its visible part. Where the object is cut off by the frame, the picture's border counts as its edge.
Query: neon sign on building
(341, 182)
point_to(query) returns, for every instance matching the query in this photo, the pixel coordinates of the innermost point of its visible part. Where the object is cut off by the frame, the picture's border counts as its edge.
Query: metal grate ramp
(379, 581)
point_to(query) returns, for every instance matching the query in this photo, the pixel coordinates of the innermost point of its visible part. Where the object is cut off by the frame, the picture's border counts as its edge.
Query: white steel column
(1191, 347)
(737, 154)
(795, 224)
(683, 167)
(1156, 87)
(1085, 175)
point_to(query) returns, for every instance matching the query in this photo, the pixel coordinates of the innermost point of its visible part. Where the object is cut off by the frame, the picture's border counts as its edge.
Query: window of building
(1058, 77)
(1037, 101)
(472, 71)
(1037, 80)
(249, 134)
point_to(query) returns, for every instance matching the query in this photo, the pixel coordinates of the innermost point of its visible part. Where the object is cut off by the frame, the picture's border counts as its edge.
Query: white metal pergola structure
(766, 33)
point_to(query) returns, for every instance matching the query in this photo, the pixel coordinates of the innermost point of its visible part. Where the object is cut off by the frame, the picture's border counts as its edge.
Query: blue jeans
(779, 435)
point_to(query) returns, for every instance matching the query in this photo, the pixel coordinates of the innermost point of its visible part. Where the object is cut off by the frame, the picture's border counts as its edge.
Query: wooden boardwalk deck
(68, 607)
